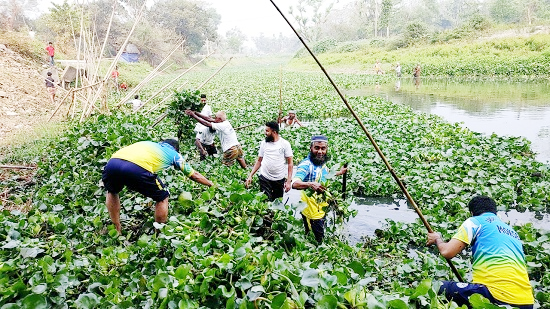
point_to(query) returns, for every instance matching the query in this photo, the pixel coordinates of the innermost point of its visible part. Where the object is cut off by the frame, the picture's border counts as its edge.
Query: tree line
(168, 21)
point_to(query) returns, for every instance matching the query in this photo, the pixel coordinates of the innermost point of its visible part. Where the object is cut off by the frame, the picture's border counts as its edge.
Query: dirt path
(24, 102)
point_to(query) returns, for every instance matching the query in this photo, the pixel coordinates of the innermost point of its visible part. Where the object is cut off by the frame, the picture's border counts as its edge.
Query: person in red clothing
(51, 51)
(115, 75)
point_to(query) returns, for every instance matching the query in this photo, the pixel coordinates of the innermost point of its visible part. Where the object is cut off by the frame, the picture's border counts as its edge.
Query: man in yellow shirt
(499, 268)
(135, 166)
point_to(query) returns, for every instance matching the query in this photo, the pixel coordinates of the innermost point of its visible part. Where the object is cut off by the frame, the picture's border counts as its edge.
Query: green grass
(501, 57)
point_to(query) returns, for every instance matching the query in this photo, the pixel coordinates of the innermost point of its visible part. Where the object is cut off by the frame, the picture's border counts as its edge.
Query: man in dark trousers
(499, 267)
(135, 166)
(50, 86)
(274, 162)
(311, 178)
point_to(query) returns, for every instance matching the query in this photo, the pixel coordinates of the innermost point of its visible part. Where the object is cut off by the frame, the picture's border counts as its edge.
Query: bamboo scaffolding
(181, 87)
(149, 77)
(88, 109)
(59, 105)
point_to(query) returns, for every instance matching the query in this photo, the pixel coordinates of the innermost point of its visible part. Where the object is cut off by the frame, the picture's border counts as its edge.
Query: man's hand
(288, 185)
(317, 187)
(189, 112)
(433, 238)
(248, 182)
(342, 171)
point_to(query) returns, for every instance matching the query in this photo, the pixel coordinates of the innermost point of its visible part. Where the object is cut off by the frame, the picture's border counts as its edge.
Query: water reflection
(504, 108)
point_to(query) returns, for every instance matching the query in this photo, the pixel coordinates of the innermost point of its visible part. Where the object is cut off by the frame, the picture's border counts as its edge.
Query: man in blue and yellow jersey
(311, 178)
(135, 167)
(499, 267)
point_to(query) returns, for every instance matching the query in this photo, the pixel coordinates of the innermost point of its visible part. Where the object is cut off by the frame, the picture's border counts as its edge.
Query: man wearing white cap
(290, 120)
(311, 177)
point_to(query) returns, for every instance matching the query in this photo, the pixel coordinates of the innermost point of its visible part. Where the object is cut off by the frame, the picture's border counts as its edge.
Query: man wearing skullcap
(311, 178)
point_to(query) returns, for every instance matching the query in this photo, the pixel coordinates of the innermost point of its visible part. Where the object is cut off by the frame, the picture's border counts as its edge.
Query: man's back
(151, 156)
(498, 258)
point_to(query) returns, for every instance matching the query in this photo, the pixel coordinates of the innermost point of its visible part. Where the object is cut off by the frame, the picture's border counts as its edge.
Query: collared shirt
(154, 157)
(498, 258)
(309, 172)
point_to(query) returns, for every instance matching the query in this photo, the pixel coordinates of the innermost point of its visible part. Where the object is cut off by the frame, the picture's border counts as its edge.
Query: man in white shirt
(204, 141)
(136, 103)
(228, 138)
(274, 162)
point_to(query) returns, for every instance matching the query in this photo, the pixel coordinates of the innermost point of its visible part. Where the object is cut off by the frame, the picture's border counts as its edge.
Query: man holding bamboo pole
(499, 267)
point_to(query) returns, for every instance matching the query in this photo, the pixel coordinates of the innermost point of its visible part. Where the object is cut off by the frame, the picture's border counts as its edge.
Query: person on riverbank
(417, 70)
(290, 120)
(274, 162)
(51, 52)
(135, 167)
(499, 267)
(378, 67)
(398, 70)
(50, 86)
(311, 178)
(228, 137)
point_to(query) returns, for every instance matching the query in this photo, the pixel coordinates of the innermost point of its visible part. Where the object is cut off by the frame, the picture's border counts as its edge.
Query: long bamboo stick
(59, 105)
(175, 79)
(371, 139)
(18, 167)
(89, 108)
(149, 77)
(198, 88)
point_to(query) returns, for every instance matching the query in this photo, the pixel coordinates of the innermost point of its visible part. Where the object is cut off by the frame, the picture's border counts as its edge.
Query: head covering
(292, 112)
(319, 138)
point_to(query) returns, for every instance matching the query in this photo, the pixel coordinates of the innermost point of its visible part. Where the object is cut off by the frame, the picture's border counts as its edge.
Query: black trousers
(272, 188)
(317, 227)
(210, 149)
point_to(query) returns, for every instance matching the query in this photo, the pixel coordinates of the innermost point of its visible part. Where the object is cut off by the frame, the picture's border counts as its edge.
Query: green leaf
(34, 301)
(310, 278)
(398, 304)
(422, 288)
(327, 302)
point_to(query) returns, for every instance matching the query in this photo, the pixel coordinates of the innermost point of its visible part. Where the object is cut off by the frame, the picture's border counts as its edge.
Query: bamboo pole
(373, 142)
(165, 98)
(18, 167)
(88, 109)
(59, 105)
(175, 79)
(149, 77)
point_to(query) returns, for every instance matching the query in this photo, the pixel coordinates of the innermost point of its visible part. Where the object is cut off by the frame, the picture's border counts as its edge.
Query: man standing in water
(499, 267)
(274, 162)
(290, 120)
(135, 166)
(311, 178)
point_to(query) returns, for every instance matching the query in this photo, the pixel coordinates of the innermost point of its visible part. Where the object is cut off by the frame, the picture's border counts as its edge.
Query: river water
(501, 107)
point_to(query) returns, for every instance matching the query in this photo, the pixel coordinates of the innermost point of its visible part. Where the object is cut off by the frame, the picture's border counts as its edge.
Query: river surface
(503, 108)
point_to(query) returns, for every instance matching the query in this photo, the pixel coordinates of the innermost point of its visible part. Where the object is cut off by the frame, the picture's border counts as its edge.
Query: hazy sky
(251, 16)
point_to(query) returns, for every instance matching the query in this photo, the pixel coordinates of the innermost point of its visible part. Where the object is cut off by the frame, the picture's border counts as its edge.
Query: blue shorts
(460, 292)
(119, 173)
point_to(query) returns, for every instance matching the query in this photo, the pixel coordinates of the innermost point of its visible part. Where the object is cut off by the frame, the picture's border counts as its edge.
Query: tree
(12, 13)
(311, 15)
(235, 39)
(63, 21)
(505, 11)
(386, 14)
(188, 19)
